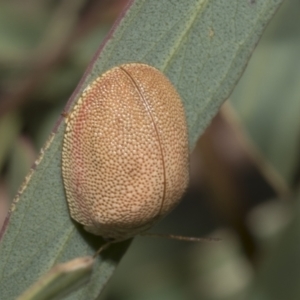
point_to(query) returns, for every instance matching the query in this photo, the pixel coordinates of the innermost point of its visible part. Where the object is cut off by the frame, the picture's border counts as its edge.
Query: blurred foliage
(243, 166)
(40, 66)
(267, 97)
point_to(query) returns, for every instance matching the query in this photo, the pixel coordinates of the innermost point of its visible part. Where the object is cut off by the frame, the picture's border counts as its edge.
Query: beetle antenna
(181, 238)
(102, 248)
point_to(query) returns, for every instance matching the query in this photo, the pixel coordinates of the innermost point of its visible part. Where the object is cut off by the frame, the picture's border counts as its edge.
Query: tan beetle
(125, 152)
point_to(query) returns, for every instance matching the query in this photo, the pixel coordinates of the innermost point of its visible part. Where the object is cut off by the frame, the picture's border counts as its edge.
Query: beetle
(125, 157)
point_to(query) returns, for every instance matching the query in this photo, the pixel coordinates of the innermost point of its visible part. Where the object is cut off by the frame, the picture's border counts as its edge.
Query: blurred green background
(244, 170)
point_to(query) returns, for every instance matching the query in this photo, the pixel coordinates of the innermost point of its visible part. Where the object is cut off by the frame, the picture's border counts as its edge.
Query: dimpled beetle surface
(125, 152)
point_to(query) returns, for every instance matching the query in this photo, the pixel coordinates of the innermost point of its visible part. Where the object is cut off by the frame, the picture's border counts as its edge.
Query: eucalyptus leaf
(203, 47)
(60, 280)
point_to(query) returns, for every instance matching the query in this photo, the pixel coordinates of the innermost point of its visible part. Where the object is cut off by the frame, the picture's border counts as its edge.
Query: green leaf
(203, 47)
(61, 280)
(21, 158)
